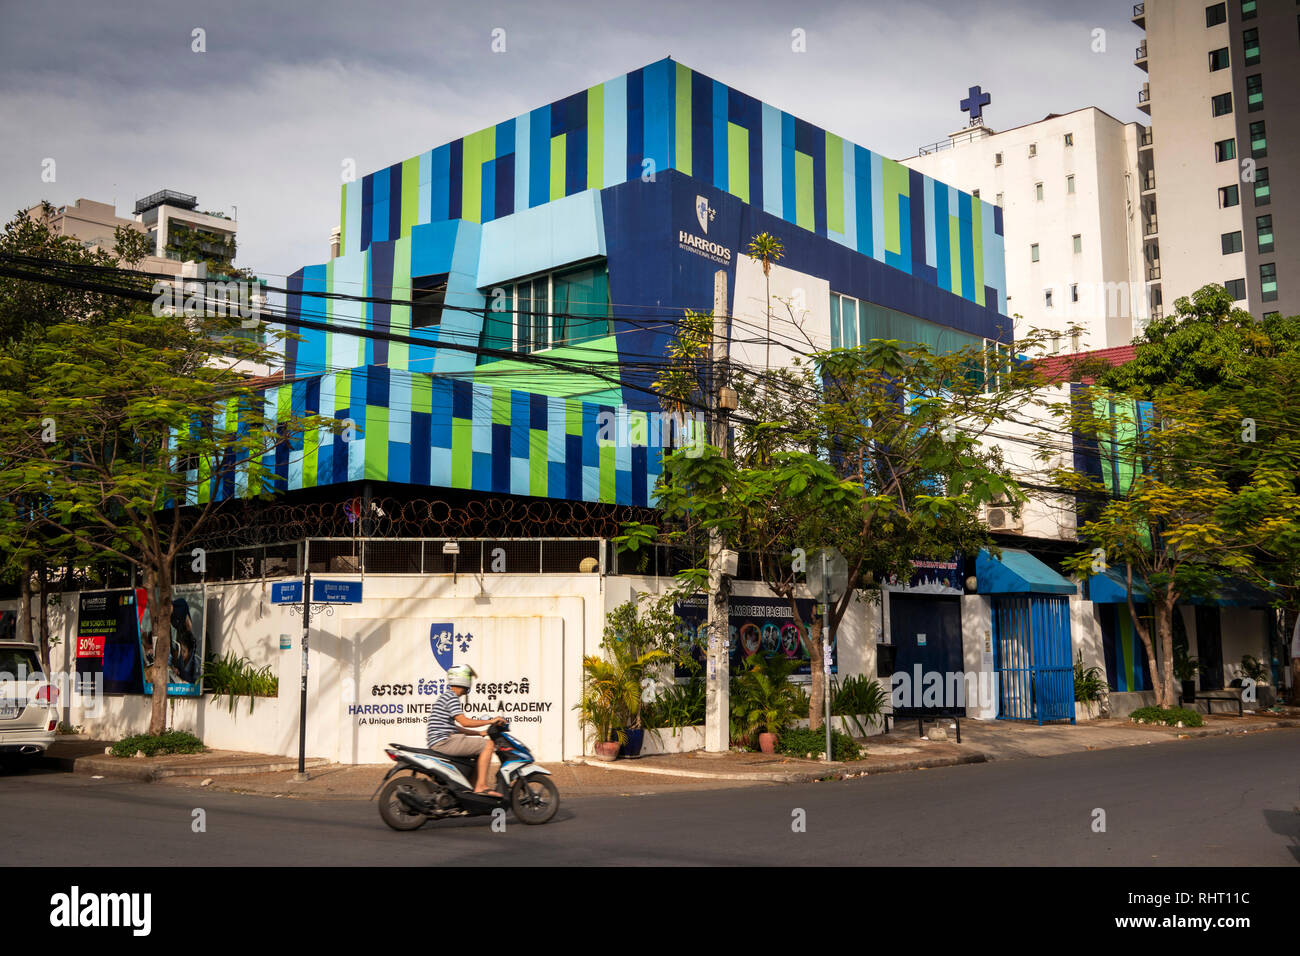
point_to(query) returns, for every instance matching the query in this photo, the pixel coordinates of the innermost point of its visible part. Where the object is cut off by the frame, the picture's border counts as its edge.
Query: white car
(28, 702)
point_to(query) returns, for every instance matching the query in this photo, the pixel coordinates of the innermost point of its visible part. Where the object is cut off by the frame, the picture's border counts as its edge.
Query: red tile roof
(1064, 368)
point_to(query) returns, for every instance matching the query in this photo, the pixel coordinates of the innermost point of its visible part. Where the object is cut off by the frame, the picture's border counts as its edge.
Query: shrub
(1089, 682)
(800, 742)
(679, 705)
(232, 677)
(1170, 717)
(858, 696)
(169, 742)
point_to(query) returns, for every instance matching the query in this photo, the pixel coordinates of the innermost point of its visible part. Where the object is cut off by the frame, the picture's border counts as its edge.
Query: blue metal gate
(1031, 645)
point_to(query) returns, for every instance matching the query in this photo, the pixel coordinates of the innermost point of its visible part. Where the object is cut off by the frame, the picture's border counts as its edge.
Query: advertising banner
(186, 623)
(108, 627)
(519, 662)
(934, 577)
(755, 622)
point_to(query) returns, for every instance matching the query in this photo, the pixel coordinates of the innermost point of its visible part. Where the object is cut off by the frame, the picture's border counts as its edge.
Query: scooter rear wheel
(395, 813)
(534, 799)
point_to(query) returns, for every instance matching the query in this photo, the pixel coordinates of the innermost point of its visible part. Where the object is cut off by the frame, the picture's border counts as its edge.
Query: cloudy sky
(284, 93)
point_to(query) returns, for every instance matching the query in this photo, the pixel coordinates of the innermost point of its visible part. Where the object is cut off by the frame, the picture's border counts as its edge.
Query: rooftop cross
(975, 100)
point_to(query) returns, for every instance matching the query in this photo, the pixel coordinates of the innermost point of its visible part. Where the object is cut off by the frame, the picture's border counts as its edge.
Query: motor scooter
(438, 785)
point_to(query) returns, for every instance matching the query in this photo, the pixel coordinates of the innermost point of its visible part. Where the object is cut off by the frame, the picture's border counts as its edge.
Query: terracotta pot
(607, 750)
(767, 743)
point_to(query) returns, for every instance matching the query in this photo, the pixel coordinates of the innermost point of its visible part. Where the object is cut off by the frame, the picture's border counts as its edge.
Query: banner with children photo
(186, 622)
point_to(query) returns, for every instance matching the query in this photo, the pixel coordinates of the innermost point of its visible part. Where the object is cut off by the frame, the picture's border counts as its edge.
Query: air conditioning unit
(1001, 518)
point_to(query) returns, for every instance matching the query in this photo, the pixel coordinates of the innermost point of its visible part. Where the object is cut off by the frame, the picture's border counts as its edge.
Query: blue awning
(1111, 587)
(1018, 572)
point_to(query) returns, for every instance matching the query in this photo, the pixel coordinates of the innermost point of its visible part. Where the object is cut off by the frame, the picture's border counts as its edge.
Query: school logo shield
(702, 213)
(440, 640)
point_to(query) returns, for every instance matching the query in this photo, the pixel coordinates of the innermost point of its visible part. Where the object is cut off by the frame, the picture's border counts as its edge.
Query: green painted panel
(834, 183)
(954, 253)
(421, 393)
(376, 442)
(803, 190)
(343, 220)
(572, 417)
(462, 455)
(537, 462)
(682, 139)
(738, 161)
(596, 137)
(478, 149)
(500, 406)
(977, 235)
(343, 390)
(522, 376)
(607, 472)
(894, 183)
(558, 145)
(310, 443)
(410, 194)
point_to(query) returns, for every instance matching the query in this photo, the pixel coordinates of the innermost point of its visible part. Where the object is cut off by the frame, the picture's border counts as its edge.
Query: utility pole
(717, 715)
(302, 701)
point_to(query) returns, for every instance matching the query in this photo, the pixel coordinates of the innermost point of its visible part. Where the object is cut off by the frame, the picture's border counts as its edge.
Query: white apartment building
(1069, 187)
(1223, 94)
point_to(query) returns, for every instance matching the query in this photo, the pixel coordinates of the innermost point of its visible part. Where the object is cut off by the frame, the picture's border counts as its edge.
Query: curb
(837, 772)
(127, 769)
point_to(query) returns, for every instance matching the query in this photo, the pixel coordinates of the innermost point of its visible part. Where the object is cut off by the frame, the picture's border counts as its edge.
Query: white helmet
(461, 675)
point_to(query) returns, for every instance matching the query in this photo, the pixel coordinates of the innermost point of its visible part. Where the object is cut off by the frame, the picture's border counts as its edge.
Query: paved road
(1217, 801)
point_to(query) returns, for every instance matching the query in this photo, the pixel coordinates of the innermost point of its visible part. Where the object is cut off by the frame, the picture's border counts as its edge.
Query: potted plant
(1254, 669)
(859, 702)
(765, 702)
(596, 707)
(1185, 670)
(1089, 684)
(633, 645)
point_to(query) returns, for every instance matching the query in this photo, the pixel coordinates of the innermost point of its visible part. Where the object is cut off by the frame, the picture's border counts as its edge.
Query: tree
(878, 451)
(129, 430)
(767, 249)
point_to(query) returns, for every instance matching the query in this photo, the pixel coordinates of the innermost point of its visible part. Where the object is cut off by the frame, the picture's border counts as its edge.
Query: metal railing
(1139, 9)
(1141, 52)
(1153, 273)
(399, 556)
(1144, 96)
(1144, 138)
(1149, 227)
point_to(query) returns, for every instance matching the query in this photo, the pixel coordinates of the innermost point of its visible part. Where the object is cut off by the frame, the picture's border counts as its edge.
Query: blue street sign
(336, 592)
(286, 592)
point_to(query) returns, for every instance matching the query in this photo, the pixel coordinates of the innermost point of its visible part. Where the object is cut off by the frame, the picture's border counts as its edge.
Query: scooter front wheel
(534, 799)
(395, 813)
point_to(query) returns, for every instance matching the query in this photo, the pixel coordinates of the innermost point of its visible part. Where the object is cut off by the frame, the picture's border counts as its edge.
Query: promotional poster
(756, 623)
(108, 638)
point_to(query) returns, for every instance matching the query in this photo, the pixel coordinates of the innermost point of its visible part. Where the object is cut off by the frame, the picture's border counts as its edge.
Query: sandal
(489, 793)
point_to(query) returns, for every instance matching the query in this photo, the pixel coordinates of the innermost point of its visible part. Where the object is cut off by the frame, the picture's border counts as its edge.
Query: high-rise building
(1068, 186)
(1223, 94)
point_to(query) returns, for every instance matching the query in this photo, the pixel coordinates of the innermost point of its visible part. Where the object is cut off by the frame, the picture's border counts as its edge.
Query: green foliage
(1089, 682)
(679, 704)
(234, 677)
(130, 245)
(1185, 666)
(1255, 669)
(802, 742)
(613, 692)
(1170, 717)
(860, 699)
(762, 698)
(157, 745)
(69, 729)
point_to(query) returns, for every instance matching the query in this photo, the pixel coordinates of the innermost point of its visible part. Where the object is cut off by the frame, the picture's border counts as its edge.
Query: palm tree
(767, 249)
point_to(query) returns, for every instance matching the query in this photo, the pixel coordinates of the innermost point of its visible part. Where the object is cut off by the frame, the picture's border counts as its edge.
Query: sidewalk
(900, 750)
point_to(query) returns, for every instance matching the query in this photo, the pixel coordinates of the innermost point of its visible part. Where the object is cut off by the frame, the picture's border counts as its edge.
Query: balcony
(1153, 273)
(1139, 17)
(1140, 57)
(1144, 138)
(1148, 180)
(1149, 227)
(1144, 99)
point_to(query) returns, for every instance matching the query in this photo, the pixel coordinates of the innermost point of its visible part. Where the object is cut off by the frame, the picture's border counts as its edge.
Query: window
(1231, 242)
(1224, 150)
(1074, 292)
(1069, 139)
(975, 194)
(1219, 59)
(427, 296)
(1228, 196)
(1078, 243)
(1258, 141)
(1254, 93)
(1033, 252)
(560, 308)
(998, 201)
(1047, 298)
(1069, 184)
(1264, 233)
(1262, 197)
(1215, 14)
(1247, 9)
(1250, 40)
(1236, 288)
(1268, 282)
(1033, 150)
(997, 159)
(1038, 191)
(1222, 104)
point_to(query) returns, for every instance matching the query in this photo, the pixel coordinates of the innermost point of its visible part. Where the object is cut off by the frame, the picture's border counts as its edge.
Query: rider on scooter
(448, 729)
